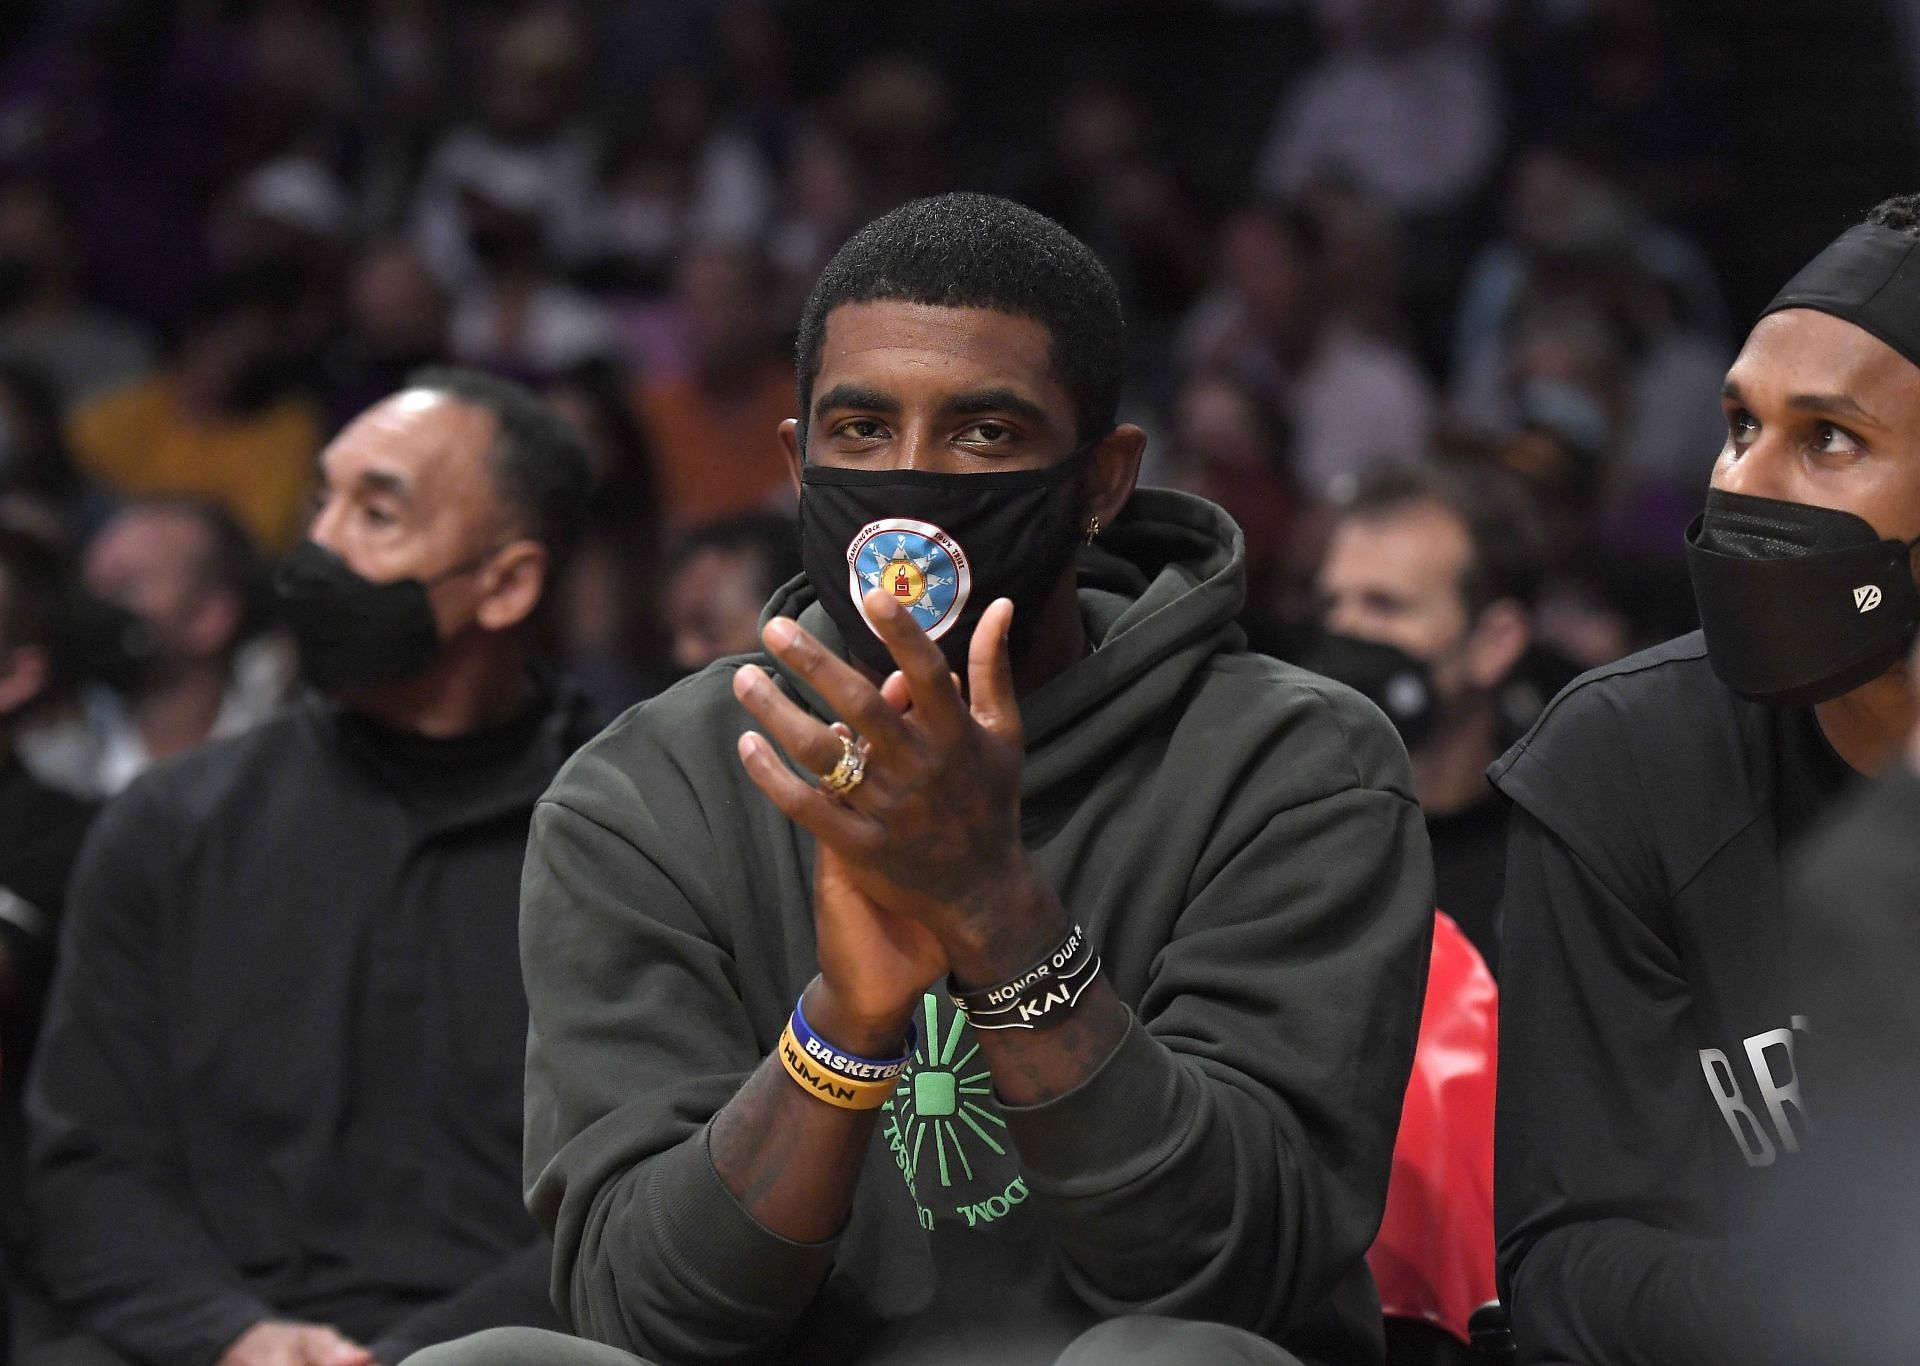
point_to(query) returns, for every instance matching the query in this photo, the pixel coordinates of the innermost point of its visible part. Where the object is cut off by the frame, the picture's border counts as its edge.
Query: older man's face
(407, 492)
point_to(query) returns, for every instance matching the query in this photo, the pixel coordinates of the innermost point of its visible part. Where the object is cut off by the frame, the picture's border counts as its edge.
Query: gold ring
(849, 772)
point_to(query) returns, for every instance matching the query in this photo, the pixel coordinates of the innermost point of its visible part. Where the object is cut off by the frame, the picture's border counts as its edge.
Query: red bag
(1433, 1256)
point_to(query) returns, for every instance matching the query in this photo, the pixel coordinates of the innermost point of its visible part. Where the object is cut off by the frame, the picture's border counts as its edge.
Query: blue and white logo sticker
(924, 568)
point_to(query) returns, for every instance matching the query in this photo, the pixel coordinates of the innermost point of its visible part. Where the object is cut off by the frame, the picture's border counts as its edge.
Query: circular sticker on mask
(919, 564)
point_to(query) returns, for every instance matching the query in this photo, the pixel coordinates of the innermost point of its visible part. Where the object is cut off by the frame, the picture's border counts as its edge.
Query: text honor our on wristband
(1038, 996)
(833, 1075)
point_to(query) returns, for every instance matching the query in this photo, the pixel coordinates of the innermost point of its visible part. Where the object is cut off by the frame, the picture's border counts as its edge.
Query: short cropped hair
(981, 251)
(1502, 527)
(540, 464)
(771, 541)
(1900, 213)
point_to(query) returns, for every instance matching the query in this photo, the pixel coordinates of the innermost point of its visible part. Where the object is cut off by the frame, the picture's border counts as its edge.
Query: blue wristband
(849, 1065)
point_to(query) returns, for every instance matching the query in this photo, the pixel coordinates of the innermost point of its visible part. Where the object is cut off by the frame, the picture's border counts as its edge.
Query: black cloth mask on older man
(351, 630)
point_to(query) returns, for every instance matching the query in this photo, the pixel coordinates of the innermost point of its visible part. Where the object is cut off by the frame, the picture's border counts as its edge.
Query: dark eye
(1742, 424)
(862, 429)
(1830, 439)
(989, 432)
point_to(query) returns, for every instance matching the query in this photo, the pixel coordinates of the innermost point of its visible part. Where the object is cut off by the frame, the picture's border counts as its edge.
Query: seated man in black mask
(942, 1021)
(1426, 604)
(276, 1115)
(1649, 1094)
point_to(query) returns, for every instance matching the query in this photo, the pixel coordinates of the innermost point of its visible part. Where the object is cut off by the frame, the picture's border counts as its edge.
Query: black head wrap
(1868, 276)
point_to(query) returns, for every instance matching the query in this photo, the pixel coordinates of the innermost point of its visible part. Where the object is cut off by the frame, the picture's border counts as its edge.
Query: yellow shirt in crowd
(143, 440)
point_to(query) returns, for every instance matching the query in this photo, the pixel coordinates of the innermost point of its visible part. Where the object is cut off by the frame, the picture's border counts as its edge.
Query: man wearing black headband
(1649, 1091)
(878, 1021)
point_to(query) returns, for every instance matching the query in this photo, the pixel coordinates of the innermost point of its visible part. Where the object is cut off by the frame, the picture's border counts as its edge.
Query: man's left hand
(932, 830)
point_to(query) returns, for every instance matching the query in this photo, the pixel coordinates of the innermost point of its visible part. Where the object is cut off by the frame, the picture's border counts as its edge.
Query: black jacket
(282, 1070)
(1242, 839)
(1648, 1018)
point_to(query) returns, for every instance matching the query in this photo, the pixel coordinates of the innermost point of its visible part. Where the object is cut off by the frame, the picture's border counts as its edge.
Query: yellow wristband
(825, 1085)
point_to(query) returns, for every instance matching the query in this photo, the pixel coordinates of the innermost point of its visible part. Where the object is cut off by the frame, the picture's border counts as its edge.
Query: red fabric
(1433, 1257)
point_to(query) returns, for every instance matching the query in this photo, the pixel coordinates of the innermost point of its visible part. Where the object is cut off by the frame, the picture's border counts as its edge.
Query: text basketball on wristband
(1040, 995)
(851, 1066)
(818, 1082)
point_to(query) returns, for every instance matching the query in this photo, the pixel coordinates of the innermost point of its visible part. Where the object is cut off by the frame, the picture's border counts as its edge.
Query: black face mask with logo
(352, 631)
(1800, 604)
(1386, 675)
(944, 545)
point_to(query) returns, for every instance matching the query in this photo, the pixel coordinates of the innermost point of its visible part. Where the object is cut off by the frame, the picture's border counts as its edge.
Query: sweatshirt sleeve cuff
(703, 1229)
(1114, 1128)
(222, 1322)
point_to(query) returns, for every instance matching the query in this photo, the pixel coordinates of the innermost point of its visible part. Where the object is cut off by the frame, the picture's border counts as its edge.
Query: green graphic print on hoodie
(1241, 838)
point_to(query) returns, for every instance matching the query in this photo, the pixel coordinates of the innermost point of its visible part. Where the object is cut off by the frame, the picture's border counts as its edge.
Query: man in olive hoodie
(1107, 971)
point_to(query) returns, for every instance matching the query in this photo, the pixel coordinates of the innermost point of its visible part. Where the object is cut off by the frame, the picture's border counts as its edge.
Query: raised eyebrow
(856, 396)
(984, 401)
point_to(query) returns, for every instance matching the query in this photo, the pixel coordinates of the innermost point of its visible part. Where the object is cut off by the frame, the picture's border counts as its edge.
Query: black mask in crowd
(104, 642)
(945, 545)
(1800, 604)
(352, 631)
(1386, 675)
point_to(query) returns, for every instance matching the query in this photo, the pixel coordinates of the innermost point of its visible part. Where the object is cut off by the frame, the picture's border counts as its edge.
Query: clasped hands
(920, 867)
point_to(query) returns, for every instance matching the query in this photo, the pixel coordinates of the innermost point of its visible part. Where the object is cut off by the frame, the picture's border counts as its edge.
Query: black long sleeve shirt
(1648, 1022)
(281, 1074)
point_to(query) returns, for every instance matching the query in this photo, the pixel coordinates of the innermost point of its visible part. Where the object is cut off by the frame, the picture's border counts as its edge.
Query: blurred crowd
(1476, 233)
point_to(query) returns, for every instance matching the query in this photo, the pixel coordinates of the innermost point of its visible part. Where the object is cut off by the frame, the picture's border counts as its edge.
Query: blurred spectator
(45, 323)
(721, 577)
(187, 572)
(1231, 446)
(43, 827)
(896, 112)
(685, 178)
(283, 231)
(608, 616)
(1587, 313)
(823, 200)
(1427, 596)
(396, 322)
(222, 420)
(1114, 188)
(281, 1074)
(513, 313)
(1656, 80)
(531, 153)
(714, 431)
(35, 465)
(1402, 104)
(1352, 398)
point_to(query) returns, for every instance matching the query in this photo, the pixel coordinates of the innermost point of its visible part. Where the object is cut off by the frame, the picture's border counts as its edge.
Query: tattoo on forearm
(790, 1160)
(1031, 1067)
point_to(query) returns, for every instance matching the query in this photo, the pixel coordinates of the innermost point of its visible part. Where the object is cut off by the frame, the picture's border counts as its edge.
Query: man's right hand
(874, 964)
(275, 1343)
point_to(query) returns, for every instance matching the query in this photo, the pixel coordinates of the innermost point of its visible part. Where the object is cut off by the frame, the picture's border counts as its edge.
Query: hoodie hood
(1159, 592)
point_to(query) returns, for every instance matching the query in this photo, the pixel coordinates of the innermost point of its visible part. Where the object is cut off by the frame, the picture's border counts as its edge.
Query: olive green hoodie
(1242, 840)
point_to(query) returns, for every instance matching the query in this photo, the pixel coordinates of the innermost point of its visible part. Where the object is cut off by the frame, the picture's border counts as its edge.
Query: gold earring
(1093, 527)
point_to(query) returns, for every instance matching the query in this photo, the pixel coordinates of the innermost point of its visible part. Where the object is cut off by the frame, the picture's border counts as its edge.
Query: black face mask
(945, 545)
(103, 642)
(352, 631)
(1800, 604)
(1386, 675)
